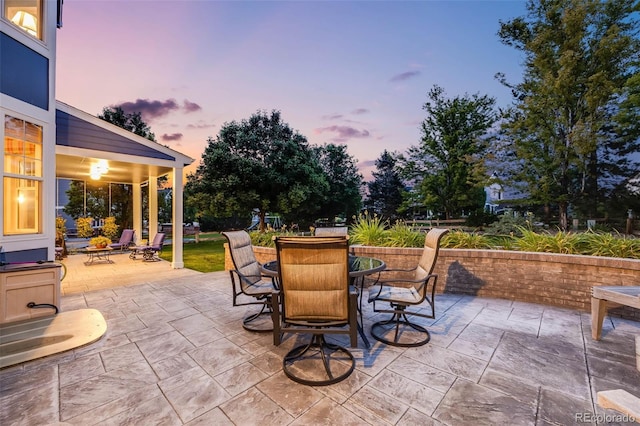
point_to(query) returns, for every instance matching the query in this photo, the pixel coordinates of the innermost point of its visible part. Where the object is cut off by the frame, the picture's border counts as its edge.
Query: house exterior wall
(31, 97)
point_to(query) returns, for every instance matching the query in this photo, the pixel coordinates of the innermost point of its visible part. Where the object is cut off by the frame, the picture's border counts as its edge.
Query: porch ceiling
(78, 168)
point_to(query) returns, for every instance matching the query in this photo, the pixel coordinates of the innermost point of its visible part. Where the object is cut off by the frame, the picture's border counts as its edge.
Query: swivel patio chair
(316, 299)
(126, 240)
(149, 252)
(407, 288)
(250, 282)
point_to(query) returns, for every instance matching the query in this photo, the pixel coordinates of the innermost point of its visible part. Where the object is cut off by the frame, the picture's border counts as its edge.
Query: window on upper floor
(22, 178)
(26, 14)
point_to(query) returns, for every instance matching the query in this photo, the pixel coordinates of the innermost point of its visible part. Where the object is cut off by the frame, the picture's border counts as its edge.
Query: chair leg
(275, 318)
(380, 329)
(318, 345)
(247, 321)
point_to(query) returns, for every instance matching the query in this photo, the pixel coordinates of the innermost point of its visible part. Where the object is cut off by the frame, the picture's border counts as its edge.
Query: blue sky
(354, 73)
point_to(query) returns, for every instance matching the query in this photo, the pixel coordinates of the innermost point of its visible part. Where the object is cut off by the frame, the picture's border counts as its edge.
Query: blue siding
(24, 73)
(75, 132)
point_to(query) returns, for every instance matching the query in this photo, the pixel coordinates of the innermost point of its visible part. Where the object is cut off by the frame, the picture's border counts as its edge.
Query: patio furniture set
(316, 287)
(148, 252)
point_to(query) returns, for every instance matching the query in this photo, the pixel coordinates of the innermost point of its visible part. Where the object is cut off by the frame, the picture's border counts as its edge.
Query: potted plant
(100, 242)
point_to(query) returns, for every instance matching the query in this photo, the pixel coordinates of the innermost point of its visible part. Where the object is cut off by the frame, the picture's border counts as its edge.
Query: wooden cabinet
(28, 283)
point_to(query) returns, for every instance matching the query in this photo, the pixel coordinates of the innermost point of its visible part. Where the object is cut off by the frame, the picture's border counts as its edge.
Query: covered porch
(86, 145)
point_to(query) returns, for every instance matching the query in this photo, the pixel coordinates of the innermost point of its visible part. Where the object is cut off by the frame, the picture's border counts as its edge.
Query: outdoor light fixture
(98, 169)
(26, 21)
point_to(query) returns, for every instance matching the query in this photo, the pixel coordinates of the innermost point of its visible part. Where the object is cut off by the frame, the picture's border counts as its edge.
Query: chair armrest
(247, 278)
(396, 273)
(397, 270)
(393, 281)
(419, 285)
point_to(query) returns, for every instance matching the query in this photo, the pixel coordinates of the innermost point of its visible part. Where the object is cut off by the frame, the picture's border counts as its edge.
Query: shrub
(468, 240)
(560, 242)
(83, 225)
(110, 229)
(61, 228)
(402, 235)
(607, 244)
(479, 218)
(369, 230)
(372, 231)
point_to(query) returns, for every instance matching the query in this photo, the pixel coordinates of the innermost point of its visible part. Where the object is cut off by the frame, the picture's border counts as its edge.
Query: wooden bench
(604, 296)
(601, 298)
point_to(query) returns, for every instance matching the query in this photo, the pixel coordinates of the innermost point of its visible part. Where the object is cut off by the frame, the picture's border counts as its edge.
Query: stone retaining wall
(544, 278)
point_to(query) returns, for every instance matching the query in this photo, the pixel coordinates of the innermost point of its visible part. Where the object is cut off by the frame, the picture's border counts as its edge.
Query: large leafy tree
(568, 139)
(386, 188)
(344, 180)
(258, 164)
(130, 121)
(448, 167)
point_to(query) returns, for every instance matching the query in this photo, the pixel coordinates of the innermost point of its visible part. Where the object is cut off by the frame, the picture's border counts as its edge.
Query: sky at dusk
(354, 73)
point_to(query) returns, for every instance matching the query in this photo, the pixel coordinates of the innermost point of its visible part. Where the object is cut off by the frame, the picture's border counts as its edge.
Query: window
(22, 177)
(26, 14)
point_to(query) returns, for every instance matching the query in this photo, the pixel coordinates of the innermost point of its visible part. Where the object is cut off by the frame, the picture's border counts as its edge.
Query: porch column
(153, 207)
(137, 211)
(177, 217)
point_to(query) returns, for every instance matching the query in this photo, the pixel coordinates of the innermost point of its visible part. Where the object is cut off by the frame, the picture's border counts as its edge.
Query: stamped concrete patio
(175, 353)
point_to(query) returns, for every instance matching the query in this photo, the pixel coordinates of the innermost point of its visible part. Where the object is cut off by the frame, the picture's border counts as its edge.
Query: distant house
(499, 198)
(44, 140)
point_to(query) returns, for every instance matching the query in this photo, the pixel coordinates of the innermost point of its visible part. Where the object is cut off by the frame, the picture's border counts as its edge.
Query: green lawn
(205, 256)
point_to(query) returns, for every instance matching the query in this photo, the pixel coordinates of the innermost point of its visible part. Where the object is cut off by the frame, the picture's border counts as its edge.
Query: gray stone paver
(176, 353)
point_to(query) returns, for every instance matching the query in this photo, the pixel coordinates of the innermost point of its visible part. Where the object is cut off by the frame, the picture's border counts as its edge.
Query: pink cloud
(404, 76)
(343, 133)
(172, 137)
(191, 106)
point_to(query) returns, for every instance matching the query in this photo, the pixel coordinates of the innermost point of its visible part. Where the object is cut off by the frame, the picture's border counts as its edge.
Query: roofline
(185, 160)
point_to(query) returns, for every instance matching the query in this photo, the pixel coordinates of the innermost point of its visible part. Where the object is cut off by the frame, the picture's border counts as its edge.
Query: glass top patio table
(97, 254)
(359, 266)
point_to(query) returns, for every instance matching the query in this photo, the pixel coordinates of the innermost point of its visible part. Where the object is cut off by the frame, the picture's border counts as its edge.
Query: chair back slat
(126, 237)
(158, 240)
(430, 253)
(243, 257)
(314, 277)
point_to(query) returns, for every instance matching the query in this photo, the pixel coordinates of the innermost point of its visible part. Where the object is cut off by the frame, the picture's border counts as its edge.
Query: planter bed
(560, 280)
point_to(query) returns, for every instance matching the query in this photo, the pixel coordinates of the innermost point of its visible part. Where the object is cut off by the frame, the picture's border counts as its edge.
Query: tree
(568, 142)
(386, 188)
(344, 180)
(258, 163)
(132, 122)
(448, 167)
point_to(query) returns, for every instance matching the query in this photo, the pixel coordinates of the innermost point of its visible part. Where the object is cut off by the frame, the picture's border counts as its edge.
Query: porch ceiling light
(26, 21)
(98, 169)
